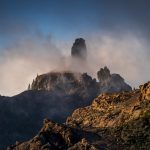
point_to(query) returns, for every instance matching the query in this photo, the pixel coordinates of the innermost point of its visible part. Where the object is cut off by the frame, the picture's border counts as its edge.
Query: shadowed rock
(54, 136)
(103, 74)
(78, 49)
(111, 82)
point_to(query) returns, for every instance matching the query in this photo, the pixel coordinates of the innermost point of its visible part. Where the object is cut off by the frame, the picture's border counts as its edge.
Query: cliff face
(111, 82)
(112, 121)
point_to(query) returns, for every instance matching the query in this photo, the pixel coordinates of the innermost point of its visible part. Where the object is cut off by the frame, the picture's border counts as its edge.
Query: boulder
(145, 91)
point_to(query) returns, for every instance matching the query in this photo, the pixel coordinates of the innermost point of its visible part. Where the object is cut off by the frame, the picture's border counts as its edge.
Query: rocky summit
(78, 49)
(71, 82)
(67, 83)
(111, 82)
(112, 122)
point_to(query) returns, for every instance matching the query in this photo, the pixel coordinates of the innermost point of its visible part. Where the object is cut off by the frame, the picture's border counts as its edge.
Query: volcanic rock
(111, 82)
(103, 74)
(54, 136)
(106, 110)
(78, 49)
(67, 83)
(145, 91)
(120, 116)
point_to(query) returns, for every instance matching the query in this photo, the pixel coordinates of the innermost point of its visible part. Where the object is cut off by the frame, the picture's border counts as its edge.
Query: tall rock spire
(78, 49)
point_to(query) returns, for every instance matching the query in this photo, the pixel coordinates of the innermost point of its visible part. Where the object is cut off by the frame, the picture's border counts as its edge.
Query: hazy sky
(36, 37)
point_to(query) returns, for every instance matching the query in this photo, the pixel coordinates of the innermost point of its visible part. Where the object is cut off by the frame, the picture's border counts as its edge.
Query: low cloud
(124, 54)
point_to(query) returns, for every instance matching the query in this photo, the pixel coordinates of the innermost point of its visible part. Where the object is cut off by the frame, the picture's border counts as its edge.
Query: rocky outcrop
(122, 116)
(107, 110)
(103, 75)
(145, 91)
(111, 82)
(78, 49)
(83, 84)
(54, 136)
(67, 83)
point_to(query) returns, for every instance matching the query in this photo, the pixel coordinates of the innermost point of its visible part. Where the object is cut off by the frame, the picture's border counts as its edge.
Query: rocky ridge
(83, 84)
(67, 83)
(113, 121)
(56, 136)
(125, 117)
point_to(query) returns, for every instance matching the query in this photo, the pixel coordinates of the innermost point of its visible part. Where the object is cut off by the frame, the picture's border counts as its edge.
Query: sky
(36, 37)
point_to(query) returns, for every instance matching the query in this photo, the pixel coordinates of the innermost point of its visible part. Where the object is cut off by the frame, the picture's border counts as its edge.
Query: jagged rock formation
(54, 136)
(145, 91)
(70, 83)
(111, 82)
(124, 117)
(67, 83)
(113, 121)
(107, 110)
(103, 74)
(78, 49)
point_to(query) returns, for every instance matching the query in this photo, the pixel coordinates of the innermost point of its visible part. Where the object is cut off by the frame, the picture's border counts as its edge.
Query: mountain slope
(53, 95)
(22, 115)
(123, 117)
(112, 121)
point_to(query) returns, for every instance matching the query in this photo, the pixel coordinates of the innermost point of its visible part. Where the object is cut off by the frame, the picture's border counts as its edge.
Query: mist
(125, 54)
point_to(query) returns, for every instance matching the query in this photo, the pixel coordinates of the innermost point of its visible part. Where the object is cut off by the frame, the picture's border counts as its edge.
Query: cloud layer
(124, 54)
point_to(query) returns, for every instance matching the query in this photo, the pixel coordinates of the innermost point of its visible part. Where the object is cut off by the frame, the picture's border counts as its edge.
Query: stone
(111, 82)
(78, 49)
(103, 74)
(55, 136)
(145, 91)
